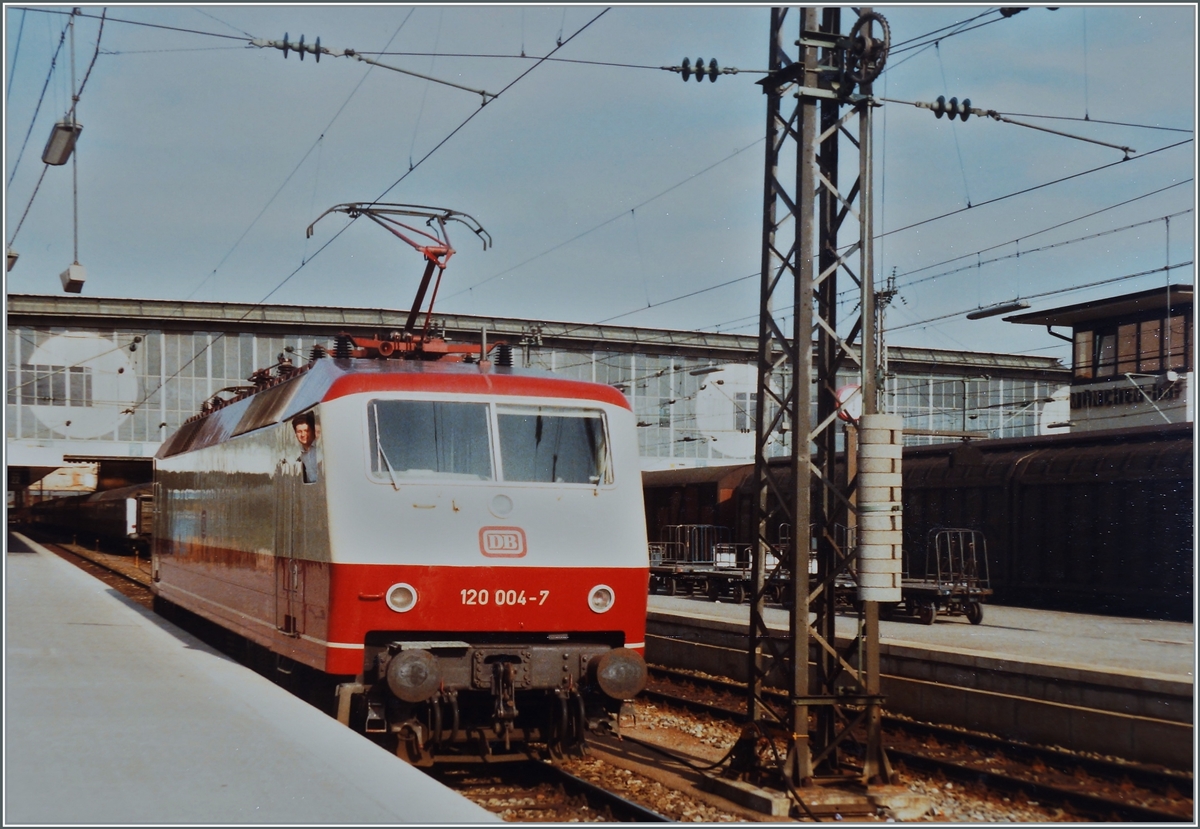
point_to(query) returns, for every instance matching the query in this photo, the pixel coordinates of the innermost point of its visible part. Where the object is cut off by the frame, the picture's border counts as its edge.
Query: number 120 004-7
(471, 596)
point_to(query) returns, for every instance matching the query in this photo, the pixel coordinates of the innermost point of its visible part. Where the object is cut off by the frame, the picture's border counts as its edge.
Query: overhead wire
(500, 56)
(909, 44)
(437, 37)
(49, 75)
(693, 293)
(1034, 188)
(135, 23)
(1162, 269)
(611, 219)
(922, 47)
(79, 92)
(346, 226)
(1051, 227)
(471, 117)
(76, 93)
(299, 164)
(16, 52)
(953, 130)
(165, 51)
(226, 23)
(1051, 246)
(1095, 121)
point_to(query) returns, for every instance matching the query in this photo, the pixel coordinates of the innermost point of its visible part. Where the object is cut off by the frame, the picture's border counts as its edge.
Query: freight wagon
(1098, 522)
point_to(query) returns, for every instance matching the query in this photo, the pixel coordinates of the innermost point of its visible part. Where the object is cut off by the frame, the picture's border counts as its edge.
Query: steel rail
(1097, 806)
(600, 798)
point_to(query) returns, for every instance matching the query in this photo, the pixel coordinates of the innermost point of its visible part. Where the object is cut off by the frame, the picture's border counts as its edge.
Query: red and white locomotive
(459, 547)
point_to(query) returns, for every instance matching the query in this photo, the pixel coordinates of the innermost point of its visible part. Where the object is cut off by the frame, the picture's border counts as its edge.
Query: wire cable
(137, 23)
(36, 187)
(470, 117)
(917, 40)
(345, 227)
(610, 220)
(1035, 187)
(1095, 121)
(953, 130)
(79, 92)
(16, 52)
(1162, 269)
(1051, 227)
(222, 22)
(1050, 246)
(53, 62)
(299, 164)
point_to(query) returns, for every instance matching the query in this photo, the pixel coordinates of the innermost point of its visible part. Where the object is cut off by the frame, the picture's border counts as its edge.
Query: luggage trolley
(680, 559)
(954, 579)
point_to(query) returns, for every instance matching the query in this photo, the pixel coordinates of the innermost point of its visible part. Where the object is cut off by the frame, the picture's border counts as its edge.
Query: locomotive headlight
(402, 597)
(601, 598)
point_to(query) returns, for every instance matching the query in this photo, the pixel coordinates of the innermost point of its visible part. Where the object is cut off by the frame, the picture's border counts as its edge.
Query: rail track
(1093, 787)
(539, 791)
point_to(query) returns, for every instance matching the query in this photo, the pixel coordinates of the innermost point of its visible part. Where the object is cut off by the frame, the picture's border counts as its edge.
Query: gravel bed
(706, 737)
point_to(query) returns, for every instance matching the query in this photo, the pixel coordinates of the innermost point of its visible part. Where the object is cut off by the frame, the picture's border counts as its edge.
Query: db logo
(502, 542)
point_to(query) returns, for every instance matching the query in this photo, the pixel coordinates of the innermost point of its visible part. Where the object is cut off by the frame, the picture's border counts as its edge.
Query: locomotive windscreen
(422, 438)
(553, 445)
(442, 439)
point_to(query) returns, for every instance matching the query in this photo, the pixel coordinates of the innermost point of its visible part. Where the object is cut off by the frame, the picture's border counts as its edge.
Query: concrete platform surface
(114, 716)
(1066, 640)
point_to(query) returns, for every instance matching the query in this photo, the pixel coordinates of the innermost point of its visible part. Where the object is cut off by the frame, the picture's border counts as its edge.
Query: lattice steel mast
(803, 211)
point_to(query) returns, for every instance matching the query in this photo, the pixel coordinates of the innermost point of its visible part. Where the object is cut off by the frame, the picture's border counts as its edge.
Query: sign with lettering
(502, 542)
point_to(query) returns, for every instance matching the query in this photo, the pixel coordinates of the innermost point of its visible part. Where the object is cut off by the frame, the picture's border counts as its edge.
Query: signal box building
(1133, 358)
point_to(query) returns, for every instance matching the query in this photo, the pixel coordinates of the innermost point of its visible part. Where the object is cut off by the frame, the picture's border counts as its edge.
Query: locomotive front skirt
(425, 532)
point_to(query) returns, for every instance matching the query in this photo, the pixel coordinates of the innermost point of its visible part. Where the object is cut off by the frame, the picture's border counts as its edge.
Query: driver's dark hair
(305, 418)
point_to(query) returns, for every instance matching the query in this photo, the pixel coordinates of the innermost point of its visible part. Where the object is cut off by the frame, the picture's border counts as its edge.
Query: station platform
(1111, 685)
(115, 716)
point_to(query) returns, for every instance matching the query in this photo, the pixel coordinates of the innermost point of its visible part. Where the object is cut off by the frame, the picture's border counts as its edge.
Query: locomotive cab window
(544, 444)
(412, 439)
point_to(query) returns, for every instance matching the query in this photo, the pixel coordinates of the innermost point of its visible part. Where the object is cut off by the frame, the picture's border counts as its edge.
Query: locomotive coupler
(504, 689)
(505, 692)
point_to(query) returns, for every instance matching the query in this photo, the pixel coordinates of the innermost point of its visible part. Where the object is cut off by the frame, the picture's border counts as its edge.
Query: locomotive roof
(330, 378)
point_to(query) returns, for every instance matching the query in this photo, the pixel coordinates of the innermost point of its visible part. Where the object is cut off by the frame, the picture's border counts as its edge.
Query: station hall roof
(111, 312)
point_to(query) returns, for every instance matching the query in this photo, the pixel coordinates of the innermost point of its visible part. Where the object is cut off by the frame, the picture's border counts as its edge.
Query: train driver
(306, 433)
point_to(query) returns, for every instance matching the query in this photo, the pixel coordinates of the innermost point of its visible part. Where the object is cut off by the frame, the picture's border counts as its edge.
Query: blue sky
(610, 190)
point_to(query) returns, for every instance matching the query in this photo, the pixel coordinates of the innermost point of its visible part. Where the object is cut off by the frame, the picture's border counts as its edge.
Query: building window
(743, 410)
(1179, 351)
(55, 386)
(1133, 348)
(1083, 354)
(1150, 345)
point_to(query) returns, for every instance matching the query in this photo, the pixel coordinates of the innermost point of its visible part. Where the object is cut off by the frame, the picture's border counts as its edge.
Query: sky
(613, 191)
